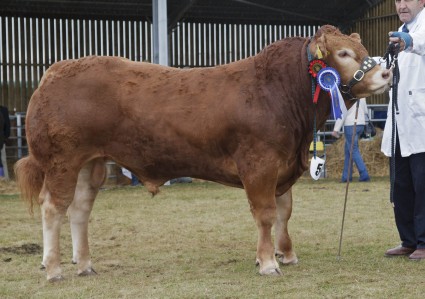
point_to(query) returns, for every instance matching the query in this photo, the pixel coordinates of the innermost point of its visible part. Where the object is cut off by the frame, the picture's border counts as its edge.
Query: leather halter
(367, 64)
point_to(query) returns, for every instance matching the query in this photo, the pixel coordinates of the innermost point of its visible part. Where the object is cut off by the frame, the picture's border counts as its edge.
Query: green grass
(198, 241)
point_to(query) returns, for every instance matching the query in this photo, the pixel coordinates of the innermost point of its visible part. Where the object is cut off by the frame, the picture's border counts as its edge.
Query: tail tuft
(30, 178)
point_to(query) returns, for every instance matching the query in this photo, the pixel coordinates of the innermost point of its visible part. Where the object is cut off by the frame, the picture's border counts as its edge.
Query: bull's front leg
(261, 196)
(265, 217)
(284, 252)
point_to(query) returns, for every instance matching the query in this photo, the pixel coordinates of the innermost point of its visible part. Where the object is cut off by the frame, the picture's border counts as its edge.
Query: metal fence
(30, 45)
(197, 45)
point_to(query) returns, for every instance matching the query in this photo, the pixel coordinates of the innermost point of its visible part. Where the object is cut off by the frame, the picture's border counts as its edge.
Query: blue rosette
(327, 78)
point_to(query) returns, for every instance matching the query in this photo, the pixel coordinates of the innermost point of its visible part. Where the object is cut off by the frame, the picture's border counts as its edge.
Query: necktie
(404, 29)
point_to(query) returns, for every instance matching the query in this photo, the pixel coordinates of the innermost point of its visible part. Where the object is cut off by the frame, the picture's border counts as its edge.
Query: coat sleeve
(338, 125)
(364, 108)
(418, 37)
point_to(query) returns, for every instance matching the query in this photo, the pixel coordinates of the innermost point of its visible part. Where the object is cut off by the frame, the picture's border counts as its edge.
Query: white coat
(411, 95)
(349, 118)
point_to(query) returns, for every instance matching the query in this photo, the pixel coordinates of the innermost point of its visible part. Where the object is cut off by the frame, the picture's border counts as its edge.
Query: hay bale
(376, 162)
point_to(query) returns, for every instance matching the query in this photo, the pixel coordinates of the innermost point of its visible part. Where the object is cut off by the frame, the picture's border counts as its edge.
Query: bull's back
(92, 85)
(112, 106)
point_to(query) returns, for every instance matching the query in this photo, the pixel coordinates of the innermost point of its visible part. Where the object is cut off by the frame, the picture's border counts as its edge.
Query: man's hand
(402, 38)
(335, 134)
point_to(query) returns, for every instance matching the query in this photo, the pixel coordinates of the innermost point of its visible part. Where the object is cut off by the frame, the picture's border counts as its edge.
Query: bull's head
(359, 78)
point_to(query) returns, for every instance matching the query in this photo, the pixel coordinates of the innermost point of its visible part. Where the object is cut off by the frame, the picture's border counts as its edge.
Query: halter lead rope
(313, 90)
(391, 58)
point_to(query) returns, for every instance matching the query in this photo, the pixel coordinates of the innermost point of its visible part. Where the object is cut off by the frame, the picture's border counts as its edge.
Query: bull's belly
(223, 171)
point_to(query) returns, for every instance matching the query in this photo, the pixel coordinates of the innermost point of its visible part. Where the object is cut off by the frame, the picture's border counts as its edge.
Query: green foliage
(199, 240)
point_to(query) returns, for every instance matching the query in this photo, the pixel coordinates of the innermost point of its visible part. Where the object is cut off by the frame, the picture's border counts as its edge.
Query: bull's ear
(318, 47)
(356, 36)
(320, 41)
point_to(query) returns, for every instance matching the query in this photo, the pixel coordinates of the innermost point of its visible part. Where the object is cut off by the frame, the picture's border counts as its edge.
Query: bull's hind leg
(55, 197)
(284, 251)
(90, 178)
(52, 220)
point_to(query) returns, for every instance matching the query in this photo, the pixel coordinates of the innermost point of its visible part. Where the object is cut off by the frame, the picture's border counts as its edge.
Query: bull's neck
(283, 68)
(321, 110)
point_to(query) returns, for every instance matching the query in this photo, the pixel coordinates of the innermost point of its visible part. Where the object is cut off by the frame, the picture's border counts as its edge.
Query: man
(348, 121)
(4, 134)
(409, 184)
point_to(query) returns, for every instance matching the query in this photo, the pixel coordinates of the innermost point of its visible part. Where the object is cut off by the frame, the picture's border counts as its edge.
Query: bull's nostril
(386, 74)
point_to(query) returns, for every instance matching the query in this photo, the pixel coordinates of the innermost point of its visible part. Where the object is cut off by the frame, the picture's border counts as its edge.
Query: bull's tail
(30, 178)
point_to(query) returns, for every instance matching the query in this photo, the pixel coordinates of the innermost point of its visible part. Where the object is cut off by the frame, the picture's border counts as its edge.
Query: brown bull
(247, 124)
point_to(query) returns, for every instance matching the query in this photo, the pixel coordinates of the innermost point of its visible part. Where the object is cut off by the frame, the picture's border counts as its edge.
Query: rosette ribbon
(329, 80)
(315, 66)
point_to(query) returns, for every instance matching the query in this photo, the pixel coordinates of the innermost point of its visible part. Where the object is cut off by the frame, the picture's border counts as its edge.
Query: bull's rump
(151, 118)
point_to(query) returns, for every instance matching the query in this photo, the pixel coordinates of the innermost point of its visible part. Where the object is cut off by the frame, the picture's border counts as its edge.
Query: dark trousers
(409, 198)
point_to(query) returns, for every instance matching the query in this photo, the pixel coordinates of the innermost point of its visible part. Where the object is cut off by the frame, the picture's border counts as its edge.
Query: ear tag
(318, 52)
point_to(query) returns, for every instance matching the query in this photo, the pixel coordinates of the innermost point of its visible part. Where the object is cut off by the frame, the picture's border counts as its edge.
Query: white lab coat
(411, 95)
(349, 117)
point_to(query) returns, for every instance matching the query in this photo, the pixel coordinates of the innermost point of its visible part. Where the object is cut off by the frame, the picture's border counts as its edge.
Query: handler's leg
(417, 165)
(404, 200)
(284, 252)
(348, 134)
(90, 178)
(4, 162)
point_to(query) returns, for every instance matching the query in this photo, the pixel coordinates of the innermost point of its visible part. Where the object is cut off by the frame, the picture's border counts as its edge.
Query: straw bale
(376, 162)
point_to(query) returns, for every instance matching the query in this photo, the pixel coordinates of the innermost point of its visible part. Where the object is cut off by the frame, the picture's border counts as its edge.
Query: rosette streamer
(338, 105)
(329, 79)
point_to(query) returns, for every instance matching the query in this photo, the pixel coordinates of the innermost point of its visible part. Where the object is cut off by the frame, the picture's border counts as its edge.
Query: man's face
(408, 9)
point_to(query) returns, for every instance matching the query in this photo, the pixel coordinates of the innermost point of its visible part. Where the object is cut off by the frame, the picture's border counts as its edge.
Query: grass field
(198, 241)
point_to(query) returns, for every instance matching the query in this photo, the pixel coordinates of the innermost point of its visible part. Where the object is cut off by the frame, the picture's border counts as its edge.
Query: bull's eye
(343, 54)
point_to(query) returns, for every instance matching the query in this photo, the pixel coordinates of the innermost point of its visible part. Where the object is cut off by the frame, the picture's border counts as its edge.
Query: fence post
(19, 134)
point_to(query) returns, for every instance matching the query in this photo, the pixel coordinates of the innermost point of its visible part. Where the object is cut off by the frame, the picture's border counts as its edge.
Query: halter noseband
(367, 64)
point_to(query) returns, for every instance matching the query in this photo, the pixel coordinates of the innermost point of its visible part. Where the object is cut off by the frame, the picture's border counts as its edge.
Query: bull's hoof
(291, 260)
(73, 262)
(56, 278)
(87, 272)
(271, 272)
(42, 267)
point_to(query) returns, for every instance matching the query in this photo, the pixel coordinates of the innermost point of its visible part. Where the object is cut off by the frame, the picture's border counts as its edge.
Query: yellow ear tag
(319, 53)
